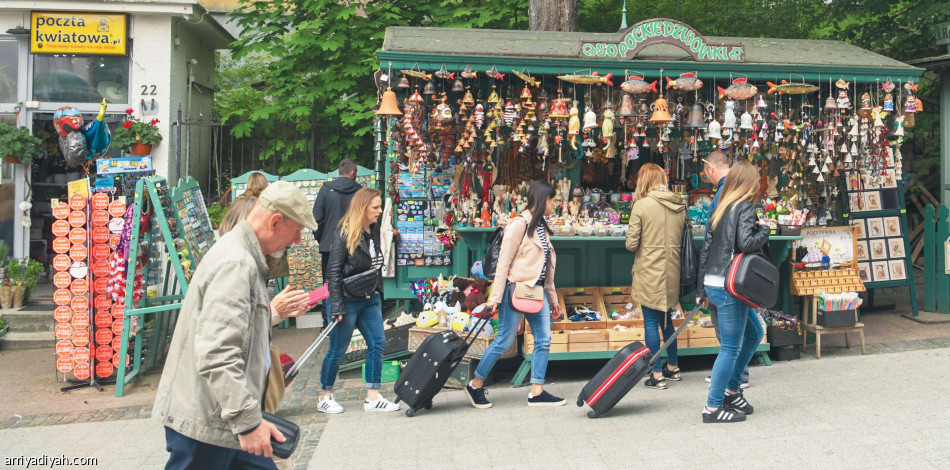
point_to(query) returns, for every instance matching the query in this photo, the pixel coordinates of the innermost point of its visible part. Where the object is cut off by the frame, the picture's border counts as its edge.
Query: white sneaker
(328, 405)
(380, 404)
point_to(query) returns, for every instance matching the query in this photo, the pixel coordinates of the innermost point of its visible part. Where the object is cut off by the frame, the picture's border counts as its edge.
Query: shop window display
(75, 79)
(9, 70)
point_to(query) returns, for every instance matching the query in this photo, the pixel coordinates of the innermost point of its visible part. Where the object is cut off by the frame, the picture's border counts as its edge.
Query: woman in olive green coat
(656, 228)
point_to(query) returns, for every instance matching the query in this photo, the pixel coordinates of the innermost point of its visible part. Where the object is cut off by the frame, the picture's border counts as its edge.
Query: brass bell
(830, 103)
(661, 111)
(458, 87)
(389, 106)
(429, 89)
(626, 106)
(644, 110)
(403, 82)
(695, 120)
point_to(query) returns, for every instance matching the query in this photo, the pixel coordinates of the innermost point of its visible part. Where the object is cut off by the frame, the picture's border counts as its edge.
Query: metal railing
(208, 151)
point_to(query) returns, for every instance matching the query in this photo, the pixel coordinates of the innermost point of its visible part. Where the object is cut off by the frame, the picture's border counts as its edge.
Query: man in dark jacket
(716, 167)
(329, 208)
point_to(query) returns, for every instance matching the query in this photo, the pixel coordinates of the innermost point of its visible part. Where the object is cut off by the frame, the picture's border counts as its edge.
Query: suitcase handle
(676, 333)
(294, 369)
(478, 327)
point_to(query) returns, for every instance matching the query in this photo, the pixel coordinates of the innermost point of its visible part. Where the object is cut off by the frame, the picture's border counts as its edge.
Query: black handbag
(288, 428)
(490, 261)
(753, 280)
(689, 257)
(361, 285)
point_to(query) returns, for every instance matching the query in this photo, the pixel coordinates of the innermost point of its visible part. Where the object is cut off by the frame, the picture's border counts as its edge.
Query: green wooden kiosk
(654, 48)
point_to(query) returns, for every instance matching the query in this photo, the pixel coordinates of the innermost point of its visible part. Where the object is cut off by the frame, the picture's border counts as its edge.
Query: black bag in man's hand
(289, 429)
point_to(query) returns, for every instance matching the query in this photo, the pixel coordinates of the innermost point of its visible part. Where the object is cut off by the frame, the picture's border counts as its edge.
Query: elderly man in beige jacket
(213, 382)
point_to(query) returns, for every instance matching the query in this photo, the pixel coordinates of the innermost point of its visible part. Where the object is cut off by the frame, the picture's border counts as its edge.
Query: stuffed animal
(477, 295)
(458, 295)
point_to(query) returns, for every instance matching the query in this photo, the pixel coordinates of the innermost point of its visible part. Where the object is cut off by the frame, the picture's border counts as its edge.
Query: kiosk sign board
(69, 32)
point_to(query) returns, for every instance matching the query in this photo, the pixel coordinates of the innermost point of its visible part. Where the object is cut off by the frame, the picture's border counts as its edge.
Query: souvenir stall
(468, 121)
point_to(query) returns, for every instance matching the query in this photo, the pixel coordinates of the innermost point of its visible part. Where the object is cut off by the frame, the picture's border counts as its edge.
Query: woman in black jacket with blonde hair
(733, 228)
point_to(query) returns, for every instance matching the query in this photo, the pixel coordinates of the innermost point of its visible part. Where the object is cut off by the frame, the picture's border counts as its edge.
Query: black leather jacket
(736, 232)
(342, 264)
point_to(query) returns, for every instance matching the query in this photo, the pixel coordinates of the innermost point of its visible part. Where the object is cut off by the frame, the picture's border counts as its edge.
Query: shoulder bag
(752, 278)
(490, 261)
(689, 257)
(361, 285)
(525, 298)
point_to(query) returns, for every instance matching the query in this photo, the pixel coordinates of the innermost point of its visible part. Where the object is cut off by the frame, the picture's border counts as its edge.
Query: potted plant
(12, 285)
(17, 145)
(23, 275)
(136, 136)
(31, 274)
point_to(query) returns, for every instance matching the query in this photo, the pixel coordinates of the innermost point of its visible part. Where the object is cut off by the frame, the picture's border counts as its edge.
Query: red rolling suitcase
(625, 370)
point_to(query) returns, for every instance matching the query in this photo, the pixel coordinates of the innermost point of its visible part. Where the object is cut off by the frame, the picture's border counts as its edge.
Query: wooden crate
(633, 331)
(703, 342)
(587, 296)
(699, 332)
(587, 336)
(555, 347)
(580, 347)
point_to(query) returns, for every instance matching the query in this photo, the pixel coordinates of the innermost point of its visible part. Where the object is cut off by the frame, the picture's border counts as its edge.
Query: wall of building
(151, 42)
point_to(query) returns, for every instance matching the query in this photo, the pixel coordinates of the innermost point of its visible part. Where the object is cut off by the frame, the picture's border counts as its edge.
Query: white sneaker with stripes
(328, 405)
(722, 414)
(380, 404)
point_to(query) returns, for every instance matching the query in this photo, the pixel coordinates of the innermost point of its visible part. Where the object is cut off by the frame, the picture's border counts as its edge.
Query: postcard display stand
(178, 237)
(303, 259)
(878, 211)
(87, 231)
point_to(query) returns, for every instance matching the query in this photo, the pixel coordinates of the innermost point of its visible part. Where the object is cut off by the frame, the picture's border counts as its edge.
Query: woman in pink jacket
(526, 256)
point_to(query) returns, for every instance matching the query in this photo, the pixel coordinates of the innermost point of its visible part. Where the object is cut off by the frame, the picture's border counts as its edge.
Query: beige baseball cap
(285, 199)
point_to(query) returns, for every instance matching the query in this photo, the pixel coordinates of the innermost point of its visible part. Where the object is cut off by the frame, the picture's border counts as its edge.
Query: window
(9, 70)
(85, 79)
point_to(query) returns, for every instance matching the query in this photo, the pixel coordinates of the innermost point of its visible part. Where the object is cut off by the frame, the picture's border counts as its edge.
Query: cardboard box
(579, 347)
(587, 336)
(703, 342)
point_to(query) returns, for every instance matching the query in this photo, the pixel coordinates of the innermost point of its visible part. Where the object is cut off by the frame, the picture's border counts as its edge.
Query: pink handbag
(526, 299)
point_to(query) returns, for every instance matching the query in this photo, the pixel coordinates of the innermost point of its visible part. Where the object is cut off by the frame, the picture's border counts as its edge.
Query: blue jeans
(186, 453)
(365, 315)
(508, 321)
(714, 317)
(652, 319)
(741, 333)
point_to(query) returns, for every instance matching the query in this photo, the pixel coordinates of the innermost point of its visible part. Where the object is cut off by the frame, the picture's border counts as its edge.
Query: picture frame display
(892, 226)
(862, 253)
(864, 272)
(897, 269)
(875, 227)
(880, 271)
(895, 248)
(872, 201)
(861, 232)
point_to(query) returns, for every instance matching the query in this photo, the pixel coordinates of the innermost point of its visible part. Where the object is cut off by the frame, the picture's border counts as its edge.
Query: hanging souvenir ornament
(843, 101)
(888, 102)
(573, 126)
(685, 82)
(525, 93)
(661, 112)
(715, 130)
(403, 82)
(729, 116)
(911, 106)
(607, 131)
(493, 96)
(844, 148)
(888, 86)
(510, 114)
(746, 121)
(626, 106)
(695, 120)
(830, 104)
(761, 103)
(429, 89)
(590, 118)
(636, 85)
(559, 109)
(821, 178)
(467, 73)
(897, 128)
(865, 110)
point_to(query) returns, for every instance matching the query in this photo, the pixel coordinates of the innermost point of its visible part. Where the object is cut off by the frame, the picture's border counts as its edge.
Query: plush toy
(476, 296)
(458, 295)
(460, 321)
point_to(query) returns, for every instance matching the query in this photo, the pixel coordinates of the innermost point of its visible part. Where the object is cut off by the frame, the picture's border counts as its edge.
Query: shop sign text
(663, 31)
(64, 32)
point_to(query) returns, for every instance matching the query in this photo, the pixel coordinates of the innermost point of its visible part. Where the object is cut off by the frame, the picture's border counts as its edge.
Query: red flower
(154, 121)
(129, 111)
(127, 124)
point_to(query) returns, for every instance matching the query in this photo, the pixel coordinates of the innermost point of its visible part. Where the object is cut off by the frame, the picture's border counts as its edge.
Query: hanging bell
(644, 109)
(695, 120)
(559, 109)
(458, 87)
(830, 103)
(525, 93)
(878, 123)
(854, 149)
(760, 103)
(821, 178)
(661, 111)
(745, 121)
(429, 89)
(590, 119)
(811, 161)
(715, 130)
(389, 106)
(403, 82)
(468, 99)
(824, 168)
(626, 106)
(847, 158)
(493, 97)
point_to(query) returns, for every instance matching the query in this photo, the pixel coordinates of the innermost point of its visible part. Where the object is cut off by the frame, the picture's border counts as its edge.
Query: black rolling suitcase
(431, 365)
(622, 373)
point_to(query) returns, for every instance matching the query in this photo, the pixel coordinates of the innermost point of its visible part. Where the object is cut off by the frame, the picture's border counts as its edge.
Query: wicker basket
(475, 351)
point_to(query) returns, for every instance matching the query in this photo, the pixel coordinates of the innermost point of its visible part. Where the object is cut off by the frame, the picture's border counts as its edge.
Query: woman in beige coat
(655, 233)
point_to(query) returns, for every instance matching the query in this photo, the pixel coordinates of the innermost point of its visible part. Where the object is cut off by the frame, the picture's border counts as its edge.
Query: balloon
(67, 119)
(74, 149)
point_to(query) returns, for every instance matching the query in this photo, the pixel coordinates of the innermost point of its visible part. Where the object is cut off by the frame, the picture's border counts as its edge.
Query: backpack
(490, 261)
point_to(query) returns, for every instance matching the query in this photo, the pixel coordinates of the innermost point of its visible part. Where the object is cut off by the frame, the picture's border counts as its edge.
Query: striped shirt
(543, 236)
